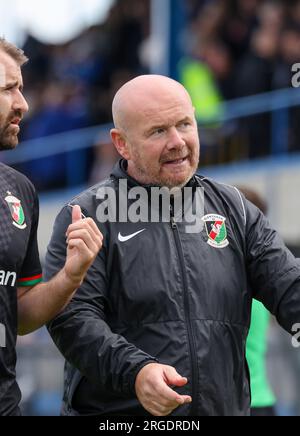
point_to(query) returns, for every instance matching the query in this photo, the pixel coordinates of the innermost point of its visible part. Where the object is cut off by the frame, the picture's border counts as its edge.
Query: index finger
(76, 214)
(167, 394)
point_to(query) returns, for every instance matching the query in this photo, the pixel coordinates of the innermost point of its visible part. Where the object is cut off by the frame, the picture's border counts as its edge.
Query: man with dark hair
(25, 303)
(12, 59)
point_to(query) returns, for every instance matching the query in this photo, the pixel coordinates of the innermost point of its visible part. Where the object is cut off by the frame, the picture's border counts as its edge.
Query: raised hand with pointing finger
(84, 241)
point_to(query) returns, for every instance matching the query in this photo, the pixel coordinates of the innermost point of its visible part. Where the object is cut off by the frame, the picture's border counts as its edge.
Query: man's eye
(158, 131)
(185, 124)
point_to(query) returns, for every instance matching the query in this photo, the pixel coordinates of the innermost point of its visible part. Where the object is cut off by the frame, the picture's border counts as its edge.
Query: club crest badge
(16, 211)
(216, 230)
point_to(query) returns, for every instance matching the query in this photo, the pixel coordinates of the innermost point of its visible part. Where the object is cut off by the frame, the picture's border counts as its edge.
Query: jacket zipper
(187, 312)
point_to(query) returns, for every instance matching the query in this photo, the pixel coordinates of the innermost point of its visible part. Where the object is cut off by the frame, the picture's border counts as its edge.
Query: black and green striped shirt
(19, 267)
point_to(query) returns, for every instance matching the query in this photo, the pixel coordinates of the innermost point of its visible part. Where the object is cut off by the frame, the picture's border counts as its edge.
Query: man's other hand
(153, 389)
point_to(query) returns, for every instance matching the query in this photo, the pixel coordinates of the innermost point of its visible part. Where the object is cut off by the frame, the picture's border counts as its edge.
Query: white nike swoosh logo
(127, 238)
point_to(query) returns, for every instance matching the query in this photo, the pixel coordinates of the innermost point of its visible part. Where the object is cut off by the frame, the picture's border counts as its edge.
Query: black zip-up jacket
(178, 298)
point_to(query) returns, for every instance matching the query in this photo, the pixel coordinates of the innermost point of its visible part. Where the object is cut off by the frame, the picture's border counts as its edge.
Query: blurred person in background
(262, 398)
(238, 25)
(254, 75)
(159, 325)
(271, 15)
(25, 303)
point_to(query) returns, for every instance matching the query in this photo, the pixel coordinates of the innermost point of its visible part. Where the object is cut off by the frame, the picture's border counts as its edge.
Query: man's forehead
(160, 113)
(10, 71)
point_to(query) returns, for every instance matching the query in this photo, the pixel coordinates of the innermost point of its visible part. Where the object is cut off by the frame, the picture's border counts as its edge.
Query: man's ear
(120, 143)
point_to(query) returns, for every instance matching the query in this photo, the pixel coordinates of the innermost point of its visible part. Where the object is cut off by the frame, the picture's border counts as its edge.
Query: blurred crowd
(231, 48)
(249, 45)
(71, 86)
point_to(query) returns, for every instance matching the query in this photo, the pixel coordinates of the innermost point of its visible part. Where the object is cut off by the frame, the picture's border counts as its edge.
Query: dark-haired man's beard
(8, 137)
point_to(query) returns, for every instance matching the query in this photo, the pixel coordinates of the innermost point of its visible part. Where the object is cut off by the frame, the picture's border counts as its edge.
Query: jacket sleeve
(274, 273)
(81, 332)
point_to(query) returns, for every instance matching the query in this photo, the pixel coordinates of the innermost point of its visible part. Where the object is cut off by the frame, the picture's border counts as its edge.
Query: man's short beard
(146, 176)
(7, 143)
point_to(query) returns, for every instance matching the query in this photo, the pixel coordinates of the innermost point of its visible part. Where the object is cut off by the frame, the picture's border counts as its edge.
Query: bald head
(156, 131)
(144, 93)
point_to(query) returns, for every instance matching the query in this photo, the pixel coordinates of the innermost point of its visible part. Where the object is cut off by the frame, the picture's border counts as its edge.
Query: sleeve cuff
(29, 281)
(136, 370)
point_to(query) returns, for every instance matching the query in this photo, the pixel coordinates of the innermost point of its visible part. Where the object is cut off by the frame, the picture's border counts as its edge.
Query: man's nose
(175, 139)
(20, 103)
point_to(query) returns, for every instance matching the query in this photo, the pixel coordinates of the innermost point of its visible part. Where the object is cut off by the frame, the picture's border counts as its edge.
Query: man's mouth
(175, 162)
(14, 125)
(15, 121)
